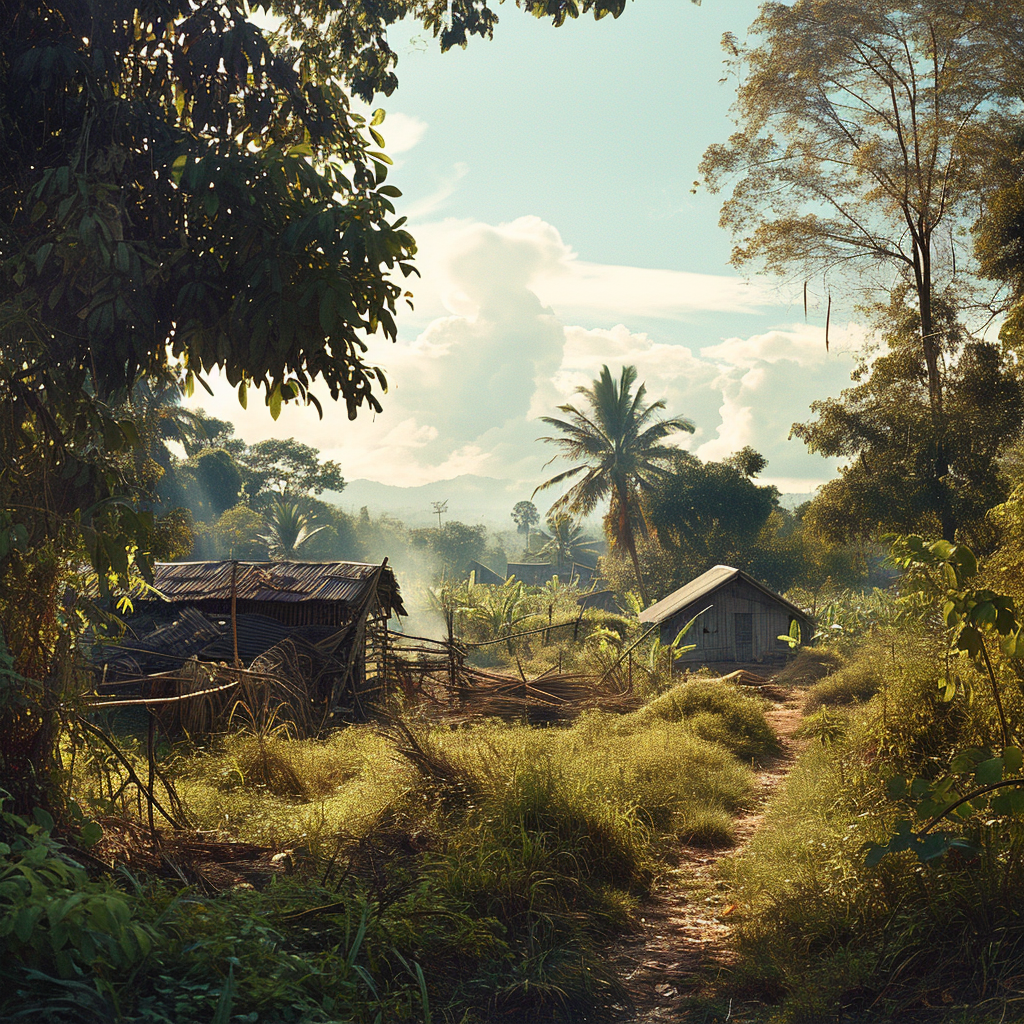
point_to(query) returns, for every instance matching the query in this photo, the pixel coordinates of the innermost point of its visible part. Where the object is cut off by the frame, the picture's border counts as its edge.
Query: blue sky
(547, 176)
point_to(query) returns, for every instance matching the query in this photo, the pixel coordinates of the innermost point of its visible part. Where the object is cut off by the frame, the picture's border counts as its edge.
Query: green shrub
(56, 926)
(810, 665)
(855, 681)
(716, 711)
(818, 929)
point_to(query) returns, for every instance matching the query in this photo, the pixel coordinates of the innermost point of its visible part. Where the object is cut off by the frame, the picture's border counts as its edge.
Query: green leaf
(91, 833)
(989, 771)
(274, 401)
(1013, 759)
(896, 787)
(932, 846)
(243, 395)
(178, 168)
(965, 560)
(378, 117)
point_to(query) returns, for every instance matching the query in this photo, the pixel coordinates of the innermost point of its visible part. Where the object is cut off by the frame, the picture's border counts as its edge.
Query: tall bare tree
(864, 133)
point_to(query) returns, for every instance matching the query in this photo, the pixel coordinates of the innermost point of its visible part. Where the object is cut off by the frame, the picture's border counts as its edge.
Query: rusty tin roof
(276, 582)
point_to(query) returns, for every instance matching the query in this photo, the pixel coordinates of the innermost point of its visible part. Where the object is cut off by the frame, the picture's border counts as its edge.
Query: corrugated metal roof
(286, 582)
(705, 585)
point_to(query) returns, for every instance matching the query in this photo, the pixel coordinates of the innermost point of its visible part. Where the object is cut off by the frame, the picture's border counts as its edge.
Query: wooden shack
(741, 624)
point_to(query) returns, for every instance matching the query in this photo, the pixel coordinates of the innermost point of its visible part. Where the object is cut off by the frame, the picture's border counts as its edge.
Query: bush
(855, 681)
(810, 665)
(716, 711)
(826, 934)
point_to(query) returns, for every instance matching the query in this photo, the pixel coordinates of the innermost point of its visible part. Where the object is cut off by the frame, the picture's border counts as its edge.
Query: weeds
(825, 934)
(476, 869)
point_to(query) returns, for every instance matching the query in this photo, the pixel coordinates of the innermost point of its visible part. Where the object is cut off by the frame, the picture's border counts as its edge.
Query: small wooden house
(742, 621)
(482, 574)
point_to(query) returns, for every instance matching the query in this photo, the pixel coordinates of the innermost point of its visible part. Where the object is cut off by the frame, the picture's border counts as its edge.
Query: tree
(211, 483)
(617, 445)
(176, 182)
(237, 533)
(567, 542)
(865, 131)
(526, 517)
(709, 513)
(454, 544)
(288, 528)
(884, 428)
(288, 469)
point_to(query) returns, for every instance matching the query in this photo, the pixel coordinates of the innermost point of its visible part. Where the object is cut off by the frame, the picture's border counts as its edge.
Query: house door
(743, 624)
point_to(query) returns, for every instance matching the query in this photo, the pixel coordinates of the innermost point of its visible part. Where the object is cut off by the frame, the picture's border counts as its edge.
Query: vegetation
(476, 870)
(618, 444)
(866, 131)
(183, 191)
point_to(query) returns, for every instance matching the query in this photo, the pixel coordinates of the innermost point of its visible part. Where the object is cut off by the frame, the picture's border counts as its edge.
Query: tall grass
(497, 857)
(825, 935)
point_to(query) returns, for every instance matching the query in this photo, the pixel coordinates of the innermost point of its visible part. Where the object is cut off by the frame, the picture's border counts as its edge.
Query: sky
(547, 176)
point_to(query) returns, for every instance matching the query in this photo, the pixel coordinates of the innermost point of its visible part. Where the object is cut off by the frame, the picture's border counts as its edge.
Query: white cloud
(446, 188)
(401, 132)
(643, 291)
(492, 354)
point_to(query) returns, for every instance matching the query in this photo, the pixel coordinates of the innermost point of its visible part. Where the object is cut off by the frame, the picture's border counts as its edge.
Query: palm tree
(618, 445)
(566, 541)
(288, 528)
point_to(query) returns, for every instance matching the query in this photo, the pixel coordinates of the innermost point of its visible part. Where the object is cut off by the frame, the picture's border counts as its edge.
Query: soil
(682, 942)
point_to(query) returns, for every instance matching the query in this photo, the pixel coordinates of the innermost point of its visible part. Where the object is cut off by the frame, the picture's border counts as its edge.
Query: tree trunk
(626, 534)
(931, 346)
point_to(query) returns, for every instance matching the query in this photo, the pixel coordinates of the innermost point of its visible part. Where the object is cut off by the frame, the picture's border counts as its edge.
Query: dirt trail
(686, 920)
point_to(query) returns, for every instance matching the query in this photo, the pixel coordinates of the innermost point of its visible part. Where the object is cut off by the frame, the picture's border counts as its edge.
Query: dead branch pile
(434, 675)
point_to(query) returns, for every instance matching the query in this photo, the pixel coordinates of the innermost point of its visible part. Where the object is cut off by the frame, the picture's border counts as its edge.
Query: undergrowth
(468, 873)
(823, 935)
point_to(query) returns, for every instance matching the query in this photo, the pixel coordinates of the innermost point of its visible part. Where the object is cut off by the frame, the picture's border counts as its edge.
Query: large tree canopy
(179, 185)
(866, 131)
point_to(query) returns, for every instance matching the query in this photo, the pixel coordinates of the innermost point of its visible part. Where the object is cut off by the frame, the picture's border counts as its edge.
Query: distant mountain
(794, 501)
(471, 499)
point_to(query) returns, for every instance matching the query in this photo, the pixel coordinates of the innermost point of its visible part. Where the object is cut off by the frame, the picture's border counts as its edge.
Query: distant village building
(742, 623)
(482, 574)
(533, 574)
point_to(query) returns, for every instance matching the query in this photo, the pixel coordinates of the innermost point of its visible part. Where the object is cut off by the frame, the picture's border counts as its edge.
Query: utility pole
(440, 507)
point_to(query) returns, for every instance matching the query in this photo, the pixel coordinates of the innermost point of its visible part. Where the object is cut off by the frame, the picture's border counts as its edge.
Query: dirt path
(686, 921)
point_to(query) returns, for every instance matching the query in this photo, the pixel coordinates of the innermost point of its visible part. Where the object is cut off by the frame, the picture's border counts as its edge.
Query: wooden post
(234, 609)
(452, 673)
(151, 757)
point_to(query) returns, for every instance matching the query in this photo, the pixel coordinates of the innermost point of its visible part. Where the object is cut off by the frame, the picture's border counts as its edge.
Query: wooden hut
(742, 622)
(288, 640)
(533, 574)
(482, 574)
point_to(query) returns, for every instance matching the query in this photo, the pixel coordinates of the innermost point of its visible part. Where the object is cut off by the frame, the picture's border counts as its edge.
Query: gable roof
(703, 587)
